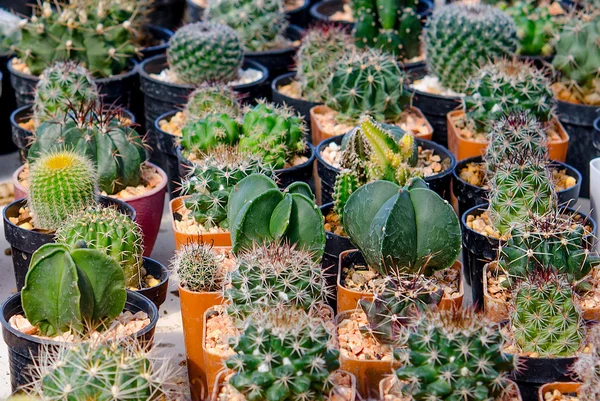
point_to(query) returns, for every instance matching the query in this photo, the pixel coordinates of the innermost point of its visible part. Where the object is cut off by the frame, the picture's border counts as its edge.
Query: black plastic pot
(334, 245)
(300, 16)
(434, 107)
(7, 105)
(24, 349)
(578, 121)
(278, 61)
(158, 293)
(195, 12)
(167, 145)
(21, 7)
(115, 90)
(470, 195)
(540, 62)
(24, 243)
(535, 372)
(440, 183)
(167, 13)
(301, 106)
(160, 37)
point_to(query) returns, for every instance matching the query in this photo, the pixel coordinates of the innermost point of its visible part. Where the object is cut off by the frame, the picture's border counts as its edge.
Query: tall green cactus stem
(111, 232)
(61, 184)
(459, 38)
(536, 27)
(103, 136)
(274, 133)
(211, 180)
(212, 99)
(545, 319)
(392, 27)
(205, 52)
(276, 275)
(411, 229)
(72, 290)
(259, 212)
(201, 136)
(368, 82)
(200, 268)
(322, 47)
(346, 182)
(283, 354)
(586, 369)
(455, 355)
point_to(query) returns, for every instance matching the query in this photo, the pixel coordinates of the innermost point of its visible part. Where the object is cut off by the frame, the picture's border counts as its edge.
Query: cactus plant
(536, 27)
(211, 180)
(114, 146)
(201, 136)
(283, 354)
(586, 369)
(392, 27)
(205, 52)
(459, 38)
(503, 86)
(61, 184)
(368, 82)
(411, 229)
(452, 355)
(211, 99)
(72, 289)
(199, 268)
(259, 212)
(9, 31)
(276, 275)
(111, 232)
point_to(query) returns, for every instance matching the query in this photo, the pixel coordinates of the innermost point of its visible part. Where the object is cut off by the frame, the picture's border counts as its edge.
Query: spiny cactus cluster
(283, 354)
(111, 232)
(61, 184)
(62, 87)
(211, 180)
(505, 85)
(212, 99)
(215, 129)
(9, 30)
(536, 27)
(205, 52)
(458, 38)
(452, 355)
(199, 268)
(586, 369)
(277, 275)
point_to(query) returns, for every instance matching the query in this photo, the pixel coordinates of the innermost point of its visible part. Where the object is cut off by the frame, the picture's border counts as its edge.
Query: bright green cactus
(72, 289)
(505, 85)
(201, 136)
(111, 232)
(455, 355)
(392, 27)
(283, 354)
(459, 38)
(199, 268)
(368, 82)
(205, 52)
(277, 275)
(212, 99)
(545, 318)
(273, 132)
(114, 146)
(536, 27)
(61, 184)
(410, 229)
(211, 180)
(259, 212)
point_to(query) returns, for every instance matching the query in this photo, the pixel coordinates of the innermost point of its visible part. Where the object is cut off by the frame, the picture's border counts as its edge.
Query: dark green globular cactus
(283, 354)
(212, 99)
(72, 289)
(409, 229)
(201, 136)
(259, 212)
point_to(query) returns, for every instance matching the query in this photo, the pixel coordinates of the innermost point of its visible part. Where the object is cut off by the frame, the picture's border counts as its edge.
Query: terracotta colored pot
(319, 134)
(214, 364)
(347, 300)
(148, 206)
(182, 239)
(564, 388)
(464, 148)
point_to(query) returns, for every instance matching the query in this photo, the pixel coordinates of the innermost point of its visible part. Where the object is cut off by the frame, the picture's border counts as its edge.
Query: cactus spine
(199, 267)
(212, 99)
(587, 369)
(536, 27)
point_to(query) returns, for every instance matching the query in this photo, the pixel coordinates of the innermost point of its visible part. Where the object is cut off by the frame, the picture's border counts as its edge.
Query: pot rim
(156, 28)
(432, 95)
(165, 273)
(294, 30)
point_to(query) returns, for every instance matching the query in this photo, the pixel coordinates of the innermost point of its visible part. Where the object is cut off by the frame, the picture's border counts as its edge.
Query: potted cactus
(367, 82)
(458, 39)
(9, 35)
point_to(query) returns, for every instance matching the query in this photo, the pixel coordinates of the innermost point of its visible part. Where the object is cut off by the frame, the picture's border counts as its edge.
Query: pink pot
(148, 207)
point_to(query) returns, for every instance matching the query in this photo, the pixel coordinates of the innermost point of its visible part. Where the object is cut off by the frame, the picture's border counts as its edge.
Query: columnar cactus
(205, 52)
(61, 184)
(277, 275)
(587, 369)
(536, 27)
(458, 38)
(111, 232)
(454, 355)
(212, 99)
(72, 289)
(291, 352)
(410, 229)
(368, 82)
(199, 268)
(505, 85)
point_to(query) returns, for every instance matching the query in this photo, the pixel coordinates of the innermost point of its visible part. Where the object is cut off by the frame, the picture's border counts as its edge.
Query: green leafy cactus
(199, 268)
(212, 99)
(201, 136)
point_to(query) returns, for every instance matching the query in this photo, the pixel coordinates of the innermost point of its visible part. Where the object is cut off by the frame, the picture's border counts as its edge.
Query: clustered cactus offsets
(200, 268)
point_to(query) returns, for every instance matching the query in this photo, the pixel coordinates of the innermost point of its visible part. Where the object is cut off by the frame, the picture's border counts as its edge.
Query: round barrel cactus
(199, 268)
(212, 99)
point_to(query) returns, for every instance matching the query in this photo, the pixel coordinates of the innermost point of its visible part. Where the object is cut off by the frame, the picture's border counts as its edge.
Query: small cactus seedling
(72, 289)
(212, 99)
(259, 212)
(199, 268)
(111, 232)
(283, 354)
(587, 369)
(61, 184)
(411, 228)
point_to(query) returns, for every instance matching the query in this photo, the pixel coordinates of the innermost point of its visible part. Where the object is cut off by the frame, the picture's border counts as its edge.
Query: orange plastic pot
(182, 238)
(564, 388)
(464, 148)
(214, 364)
